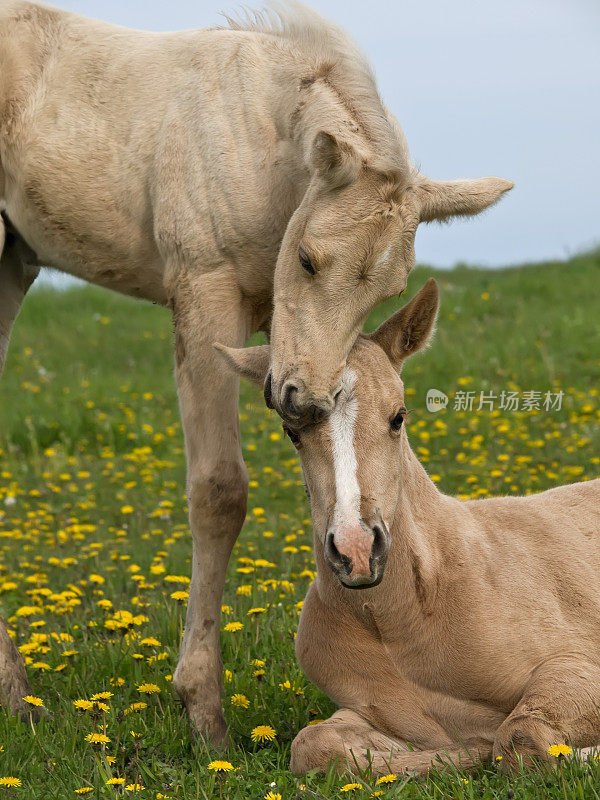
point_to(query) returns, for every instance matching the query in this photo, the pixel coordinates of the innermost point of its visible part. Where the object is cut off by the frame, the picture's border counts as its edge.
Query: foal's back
(102, 126)
(543, 551)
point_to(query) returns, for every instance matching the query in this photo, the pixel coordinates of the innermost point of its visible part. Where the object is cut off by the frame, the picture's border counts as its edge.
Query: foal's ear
(249, 362)
(409, 329)
(440, 200)
(334, 160)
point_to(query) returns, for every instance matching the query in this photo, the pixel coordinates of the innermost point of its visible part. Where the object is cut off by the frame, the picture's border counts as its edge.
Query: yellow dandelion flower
(240, 700)
(351, 787)
(8, 780)
(181, 595)
(148, 688)
(115, 781)
(84, 790)
(272, 796)
(560, 750)
(33, 701)
(391, 778)
(176, 579)
(232, 627)
(126, 509)
(134, 787)
(101, 696)
(220, 766)
(135, 707)
(28, 611)
(150, 641)
(255, 611)
(97, 738)
(83, 705)
(263, 733)
(262, 562)
(288, 686)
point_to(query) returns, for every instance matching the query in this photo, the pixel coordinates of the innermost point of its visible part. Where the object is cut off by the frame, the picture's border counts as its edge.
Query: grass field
(95, 550)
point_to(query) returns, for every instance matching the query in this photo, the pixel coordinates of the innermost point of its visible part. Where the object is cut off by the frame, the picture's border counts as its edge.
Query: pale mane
(335, 57)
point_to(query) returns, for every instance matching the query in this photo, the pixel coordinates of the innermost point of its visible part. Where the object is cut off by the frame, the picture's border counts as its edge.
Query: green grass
(89, 429)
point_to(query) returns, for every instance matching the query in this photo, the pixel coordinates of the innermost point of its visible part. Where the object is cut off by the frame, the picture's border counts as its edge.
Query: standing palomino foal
(481, 634)
(247, 178)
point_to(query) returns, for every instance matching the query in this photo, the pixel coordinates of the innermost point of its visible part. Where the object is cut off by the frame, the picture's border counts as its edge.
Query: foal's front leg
(208, 309)
(13, 679)
(351, 744)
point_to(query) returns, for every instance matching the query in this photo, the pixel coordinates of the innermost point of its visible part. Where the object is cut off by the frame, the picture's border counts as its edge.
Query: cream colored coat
(480, 636)
(248, 178)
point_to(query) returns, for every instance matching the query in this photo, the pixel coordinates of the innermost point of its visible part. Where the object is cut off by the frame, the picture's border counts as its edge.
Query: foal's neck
(415, 553)
(338, 96)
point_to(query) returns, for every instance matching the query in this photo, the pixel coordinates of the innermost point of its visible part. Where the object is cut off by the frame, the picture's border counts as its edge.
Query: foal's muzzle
(295, 404)
(358, 555)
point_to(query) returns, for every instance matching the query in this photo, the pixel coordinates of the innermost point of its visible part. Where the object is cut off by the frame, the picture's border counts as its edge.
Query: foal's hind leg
(16, 276)
(208, 308)
(560, 705)
(13, 679)
(353, 744)
(18, 271)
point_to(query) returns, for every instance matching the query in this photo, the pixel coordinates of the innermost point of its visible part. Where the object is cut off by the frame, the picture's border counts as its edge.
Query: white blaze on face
(341, 422)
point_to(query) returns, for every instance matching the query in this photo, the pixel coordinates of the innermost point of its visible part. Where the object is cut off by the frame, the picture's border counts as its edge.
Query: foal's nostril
(290, 391)
(268, 390)
(334, 557)
(379, 542)
(318, 414)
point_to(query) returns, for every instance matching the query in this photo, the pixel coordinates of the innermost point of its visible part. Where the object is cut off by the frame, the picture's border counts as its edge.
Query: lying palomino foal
(476, 633)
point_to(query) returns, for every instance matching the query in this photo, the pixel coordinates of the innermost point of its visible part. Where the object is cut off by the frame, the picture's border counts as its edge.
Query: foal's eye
(293, 436)
(305, 262)
(396, 422)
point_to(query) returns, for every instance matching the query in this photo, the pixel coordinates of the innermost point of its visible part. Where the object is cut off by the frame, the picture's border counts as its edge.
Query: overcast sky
(481, 87)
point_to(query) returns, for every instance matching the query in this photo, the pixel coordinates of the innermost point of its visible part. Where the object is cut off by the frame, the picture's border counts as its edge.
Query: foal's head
(348, 247)
(352, 460)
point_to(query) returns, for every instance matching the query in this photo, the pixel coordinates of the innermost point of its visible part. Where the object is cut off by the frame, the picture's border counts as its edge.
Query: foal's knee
(218, 492)
(311, 749)
(316, 747)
